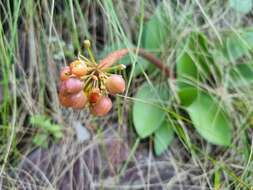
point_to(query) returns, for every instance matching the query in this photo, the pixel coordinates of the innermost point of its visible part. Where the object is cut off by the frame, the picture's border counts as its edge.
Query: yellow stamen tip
(87, 45)
(122, 67)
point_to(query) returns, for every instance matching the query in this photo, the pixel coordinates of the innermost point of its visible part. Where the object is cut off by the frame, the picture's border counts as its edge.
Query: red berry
(73, 85)
(94, 95)
(65, 73)
(63, 88)
(115, 84)
(102, 107)
(78, 68)
(64, 100)
(79, 100)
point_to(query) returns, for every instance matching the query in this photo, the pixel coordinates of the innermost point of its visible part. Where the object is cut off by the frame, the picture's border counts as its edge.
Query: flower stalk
(86, 83)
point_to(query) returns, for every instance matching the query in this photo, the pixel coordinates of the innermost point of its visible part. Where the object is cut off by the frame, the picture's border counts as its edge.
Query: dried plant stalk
(115, 56)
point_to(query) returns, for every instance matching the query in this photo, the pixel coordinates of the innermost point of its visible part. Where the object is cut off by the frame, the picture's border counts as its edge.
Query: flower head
(86, 83)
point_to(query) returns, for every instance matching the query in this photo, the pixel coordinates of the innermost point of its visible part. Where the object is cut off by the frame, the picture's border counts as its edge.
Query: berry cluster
(84, 82)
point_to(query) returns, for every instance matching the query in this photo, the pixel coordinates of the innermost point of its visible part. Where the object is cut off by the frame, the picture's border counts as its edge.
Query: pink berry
(102, 107)
(64, 100)
(78, 100)
(73, 85)
(115, 84)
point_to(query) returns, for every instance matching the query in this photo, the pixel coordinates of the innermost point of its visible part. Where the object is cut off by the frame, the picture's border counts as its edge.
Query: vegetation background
(45, 146)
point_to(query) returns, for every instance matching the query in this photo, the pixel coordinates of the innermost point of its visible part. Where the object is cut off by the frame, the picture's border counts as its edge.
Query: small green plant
(46, 128)
(198, 75)
(156, 112)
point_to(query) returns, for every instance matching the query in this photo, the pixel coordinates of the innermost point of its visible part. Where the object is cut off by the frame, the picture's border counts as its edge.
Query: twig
(115, 56)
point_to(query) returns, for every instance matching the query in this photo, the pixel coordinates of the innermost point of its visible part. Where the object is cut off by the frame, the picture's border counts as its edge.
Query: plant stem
(115, 56)
(131, 154)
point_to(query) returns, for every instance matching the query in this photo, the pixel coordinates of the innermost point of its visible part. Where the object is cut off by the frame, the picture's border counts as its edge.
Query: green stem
(136, 144)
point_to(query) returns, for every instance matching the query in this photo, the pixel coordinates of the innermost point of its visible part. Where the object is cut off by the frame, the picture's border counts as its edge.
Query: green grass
(38, 38)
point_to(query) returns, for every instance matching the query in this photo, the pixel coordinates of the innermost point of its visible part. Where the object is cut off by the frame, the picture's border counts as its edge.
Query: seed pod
(79, 100)
(64, 100)
(86, 44)
(73, 85)
(102, 107)
(115, 84)
(94, 95)
(78, 68)
(65, 73)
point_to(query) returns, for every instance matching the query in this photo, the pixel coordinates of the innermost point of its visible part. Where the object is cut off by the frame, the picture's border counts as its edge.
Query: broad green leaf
(163, 137)
(193, 60)
(243, 6)
(235, 48)
(155, 31)
(186, 66)
(241, 74)
(208, 118)
(187, 96)
(238, 45)
(147, 111)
